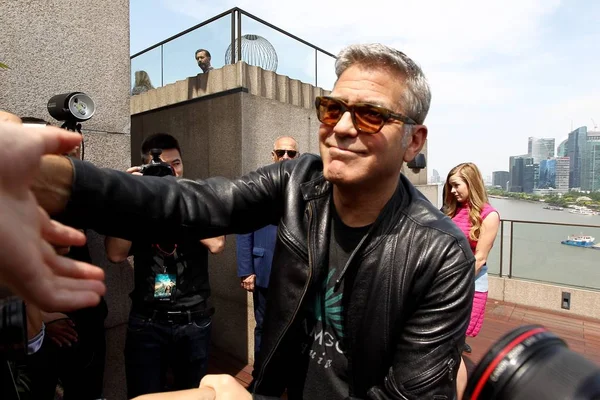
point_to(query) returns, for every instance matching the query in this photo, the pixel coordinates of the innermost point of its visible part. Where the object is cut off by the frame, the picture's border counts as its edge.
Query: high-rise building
(536, 175)
(540, 149)
(435, 177)
(547, 175)
(562, 174)
(562, 149)
(501, 178)
(590, 165)
(575, 151)
(529, 175)
(521, 174)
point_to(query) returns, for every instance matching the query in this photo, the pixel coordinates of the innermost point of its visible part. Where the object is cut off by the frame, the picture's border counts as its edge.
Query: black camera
(532, 363)
(157, 167)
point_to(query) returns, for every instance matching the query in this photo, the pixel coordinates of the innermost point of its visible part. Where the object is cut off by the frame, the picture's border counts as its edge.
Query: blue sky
(500, 71)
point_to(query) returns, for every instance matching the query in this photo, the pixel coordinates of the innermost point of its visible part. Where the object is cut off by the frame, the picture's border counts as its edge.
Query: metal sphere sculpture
(256, 50)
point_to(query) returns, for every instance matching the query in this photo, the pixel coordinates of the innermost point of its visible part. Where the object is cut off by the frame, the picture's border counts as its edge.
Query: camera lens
(532, 363)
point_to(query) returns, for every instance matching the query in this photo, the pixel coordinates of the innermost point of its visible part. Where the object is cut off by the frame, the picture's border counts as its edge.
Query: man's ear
(416, 142)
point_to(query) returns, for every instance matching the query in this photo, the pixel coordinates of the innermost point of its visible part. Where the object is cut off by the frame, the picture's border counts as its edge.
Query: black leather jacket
(411, 277)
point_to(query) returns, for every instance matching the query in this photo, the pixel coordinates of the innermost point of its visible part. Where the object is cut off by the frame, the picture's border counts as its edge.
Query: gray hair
(416, 99)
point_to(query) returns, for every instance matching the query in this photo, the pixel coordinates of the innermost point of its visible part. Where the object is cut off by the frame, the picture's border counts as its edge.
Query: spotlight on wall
(72, 108)
(417, 164)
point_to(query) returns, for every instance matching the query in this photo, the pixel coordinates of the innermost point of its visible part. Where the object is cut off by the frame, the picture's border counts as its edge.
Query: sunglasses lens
(281, 153)
(329, 111)
(368, 118)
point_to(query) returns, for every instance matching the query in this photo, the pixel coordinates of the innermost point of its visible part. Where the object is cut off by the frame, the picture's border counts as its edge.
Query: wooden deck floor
(582, 335)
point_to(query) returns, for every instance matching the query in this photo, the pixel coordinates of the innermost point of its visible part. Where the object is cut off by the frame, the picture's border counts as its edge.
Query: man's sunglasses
(366, 117)
(281, 153)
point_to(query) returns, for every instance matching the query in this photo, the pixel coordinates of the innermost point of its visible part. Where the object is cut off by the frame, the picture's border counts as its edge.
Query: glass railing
(533, 251)
(232, 36)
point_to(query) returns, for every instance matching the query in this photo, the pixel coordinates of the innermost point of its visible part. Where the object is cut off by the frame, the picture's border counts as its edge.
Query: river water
(537, 251)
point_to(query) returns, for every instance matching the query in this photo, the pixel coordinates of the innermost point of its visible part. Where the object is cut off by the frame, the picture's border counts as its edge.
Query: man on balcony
(371, 286)
(203, 60)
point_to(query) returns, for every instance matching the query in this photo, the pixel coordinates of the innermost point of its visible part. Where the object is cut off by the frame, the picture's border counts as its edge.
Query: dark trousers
(259, 296)
(153, 347)
(80, 368)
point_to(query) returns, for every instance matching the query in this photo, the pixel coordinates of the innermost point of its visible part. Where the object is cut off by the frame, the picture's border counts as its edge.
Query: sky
(499, 71)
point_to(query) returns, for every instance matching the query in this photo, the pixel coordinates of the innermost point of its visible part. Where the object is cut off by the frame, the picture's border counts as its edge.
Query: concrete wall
(584, 303)
(54, 47)
(228, 135)
(226, 122)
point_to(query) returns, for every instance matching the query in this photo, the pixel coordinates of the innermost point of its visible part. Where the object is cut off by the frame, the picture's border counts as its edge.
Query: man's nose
(345, 126)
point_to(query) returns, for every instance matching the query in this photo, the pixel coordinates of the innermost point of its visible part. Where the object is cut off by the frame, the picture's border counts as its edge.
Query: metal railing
(532, 250)
(212, 35)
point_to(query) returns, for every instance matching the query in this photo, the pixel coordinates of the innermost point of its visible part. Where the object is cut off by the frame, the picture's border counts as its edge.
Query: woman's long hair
(143, 80)
(471, 175)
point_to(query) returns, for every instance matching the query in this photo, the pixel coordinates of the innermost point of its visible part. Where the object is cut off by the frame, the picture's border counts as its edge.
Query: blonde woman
(466, 202)
(142, 83)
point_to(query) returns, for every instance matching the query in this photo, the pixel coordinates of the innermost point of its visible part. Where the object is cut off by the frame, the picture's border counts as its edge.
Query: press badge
(164, 287)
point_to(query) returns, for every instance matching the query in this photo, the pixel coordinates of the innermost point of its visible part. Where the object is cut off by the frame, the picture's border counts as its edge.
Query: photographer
(170, 319)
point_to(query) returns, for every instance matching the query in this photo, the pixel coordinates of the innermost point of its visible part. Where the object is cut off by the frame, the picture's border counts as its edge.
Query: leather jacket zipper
(310, 271)
(432, 376)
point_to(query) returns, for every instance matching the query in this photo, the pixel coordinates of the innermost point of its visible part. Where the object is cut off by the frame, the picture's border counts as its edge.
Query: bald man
(285, 148)
(255, 250)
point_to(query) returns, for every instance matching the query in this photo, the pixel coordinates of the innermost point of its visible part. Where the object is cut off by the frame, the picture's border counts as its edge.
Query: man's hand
(248, 282)
(29, 264)
(62, 332)
(226, 387)
(134, 171)
(190, 394)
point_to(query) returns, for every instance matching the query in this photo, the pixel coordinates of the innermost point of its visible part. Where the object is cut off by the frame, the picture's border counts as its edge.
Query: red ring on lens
(490, 368)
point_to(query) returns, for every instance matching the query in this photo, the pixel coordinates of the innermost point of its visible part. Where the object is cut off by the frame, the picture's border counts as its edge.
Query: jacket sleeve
(118, 204)
(245, 261)
(427, 354)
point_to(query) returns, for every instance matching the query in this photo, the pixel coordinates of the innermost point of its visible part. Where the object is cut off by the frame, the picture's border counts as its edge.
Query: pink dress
(462, 220)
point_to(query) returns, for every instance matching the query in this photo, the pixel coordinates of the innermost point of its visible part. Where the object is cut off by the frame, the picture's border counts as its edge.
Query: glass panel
(539, 255)
(180, 54)
(150, 63)
(293, 58)
(325, 71)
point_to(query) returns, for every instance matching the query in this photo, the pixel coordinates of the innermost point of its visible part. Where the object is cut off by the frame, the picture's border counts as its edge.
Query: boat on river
(581, 241)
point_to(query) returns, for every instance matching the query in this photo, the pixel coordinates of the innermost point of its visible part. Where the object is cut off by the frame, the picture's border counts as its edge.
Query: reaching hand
(62, 332)
(190, 394)
(226, 387)
(134, 171)
(29, 264)
(248, 282)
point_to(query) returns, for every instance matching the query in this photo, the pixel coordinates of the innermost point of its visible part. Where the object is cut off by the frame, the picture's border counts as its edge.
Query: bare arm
(117, 250)
(215, 245)
(489, 229)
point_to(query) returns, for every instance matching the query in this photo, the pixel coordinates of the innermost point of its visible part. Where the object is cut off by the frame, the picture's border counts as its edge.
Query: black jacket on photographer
(188, 262)
(408, 286)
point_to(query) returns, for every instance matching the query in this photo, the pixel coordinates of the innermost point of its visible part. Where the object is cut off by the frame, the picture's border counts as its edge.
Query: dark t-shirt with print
(187, 264)
(322, 353)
